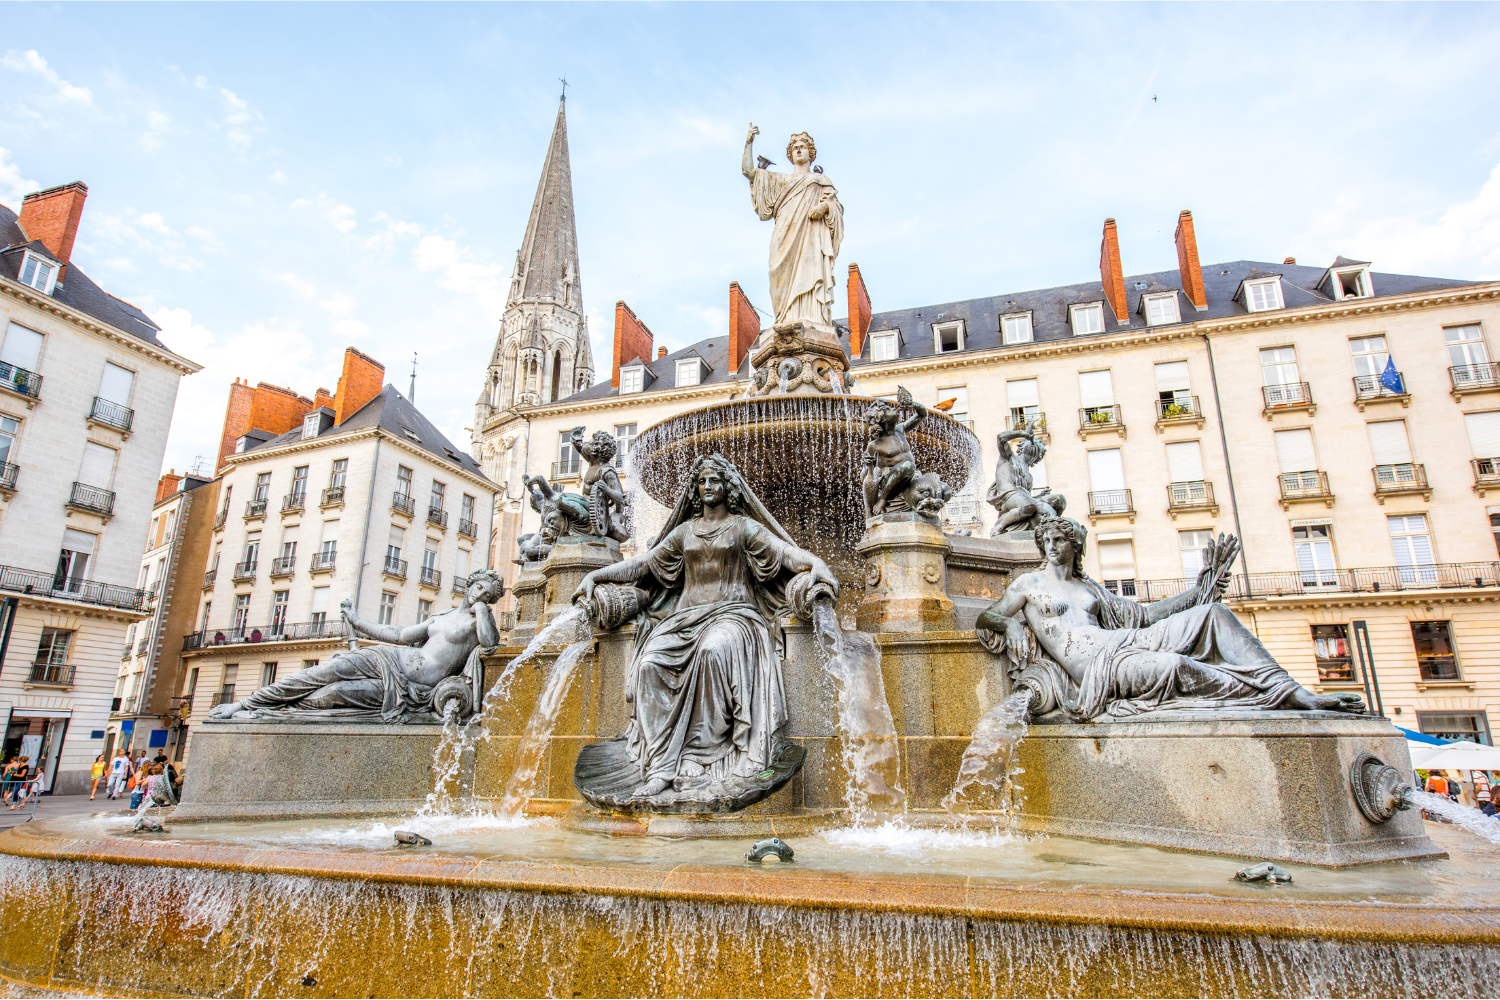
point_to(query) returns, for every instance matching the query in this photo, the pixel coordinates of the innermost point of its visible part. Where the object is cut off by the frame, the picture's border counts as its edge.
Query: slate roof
(1049, 314)
(393, 413)
(76, 291)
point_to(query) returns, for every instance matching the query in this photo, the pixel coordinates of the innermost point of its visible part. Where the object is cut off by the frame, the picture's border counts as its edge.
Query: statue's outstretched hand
(750, 136)
(346, 608)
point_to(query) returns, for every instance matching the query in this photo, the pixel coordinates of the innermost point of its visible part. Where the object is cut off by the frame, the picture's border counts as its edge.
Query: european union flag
(1390, 379)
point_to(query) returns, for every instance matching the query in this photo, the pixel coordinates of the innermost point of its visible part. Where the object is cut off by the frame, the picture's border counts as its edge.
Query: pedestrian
(1489, 808)
(1437, 784)
(32, 790)
(8, 779)
(141, 762)
(15, 782)
(119, 773)
(97, 775)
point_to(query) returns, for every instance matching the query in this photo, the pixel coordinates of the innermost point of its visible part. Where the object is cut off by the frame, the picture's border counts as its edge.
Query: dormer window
(689, 372)
(632, 379)
(1160, 308)
(310, 425)
(1263, 294)
(1016, 328)
(885, 345)
(1353, 283)
(1087, 318)
(948, 338)
(38, 273)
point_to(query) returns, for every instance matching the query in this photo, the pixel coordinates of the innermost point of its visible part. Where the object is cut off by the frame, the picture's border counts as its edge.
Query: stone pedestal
(979, 570)
(572, 558)
(905, 576)
(531, 600)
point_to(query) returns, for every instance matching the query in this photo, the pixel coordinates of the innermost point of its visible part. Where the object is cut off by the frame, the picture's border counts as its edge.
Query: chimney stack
(361, 381)
(51, 216)
(1188, 265)
(264, 407)
(744, 326)
(661, 352)
(167, 485)
(632, 340)
(1290, 260)
(859, 311)
(1111, 274)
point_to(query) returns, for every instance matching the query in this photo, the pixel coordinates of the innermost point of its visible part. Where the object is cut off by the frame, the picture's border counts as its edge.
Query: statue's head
(1062, 542)
(1032, 450)
(927, 494)
(717, 481)
(801, 149)
(485, 587)
(601, 447)
(554, 524)
(883, 415)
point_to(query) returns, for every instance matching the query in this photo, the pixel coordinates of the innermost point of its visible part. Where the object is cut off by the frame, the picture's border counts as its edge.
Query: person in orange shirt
(1437, 784)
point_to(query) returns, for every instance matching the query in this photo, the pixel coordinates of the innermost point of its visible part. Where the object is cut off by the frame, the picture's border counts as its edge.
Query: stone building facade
(1342, 421)
(86, 398)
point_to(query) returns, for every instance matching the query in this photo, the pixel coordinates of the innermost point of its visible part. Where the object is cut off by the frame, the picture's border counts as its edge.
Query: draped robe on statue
(802, 249)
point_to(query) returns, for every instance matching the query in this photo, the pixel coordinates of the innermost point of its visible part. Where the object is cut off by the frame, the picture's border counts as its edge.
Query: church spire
(549, 253)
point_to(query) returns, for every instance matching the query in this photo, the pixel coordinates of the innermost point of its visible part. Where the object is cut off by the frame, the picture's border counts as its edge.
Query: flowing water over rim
(533, 745)
(991, 760)
(1472, 820)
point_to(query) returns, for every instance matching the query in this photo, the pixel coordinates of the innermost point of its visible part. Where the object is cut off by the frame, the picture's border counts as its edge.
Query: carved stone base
(799, 360)
(531, 601)
(606, 777)
(572, 558)
(906, 576)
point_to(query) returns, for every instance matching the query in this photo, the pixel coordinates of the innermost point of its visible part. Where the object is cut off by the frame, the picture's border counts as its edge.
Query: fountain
(973, 811)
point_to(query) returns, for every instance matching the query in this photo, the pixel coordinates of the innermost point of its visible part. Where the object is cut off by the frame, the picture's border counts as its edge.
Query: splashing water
(872, 755)
(533, 745)
(1472, 820)
(447, 765)
(991, 759)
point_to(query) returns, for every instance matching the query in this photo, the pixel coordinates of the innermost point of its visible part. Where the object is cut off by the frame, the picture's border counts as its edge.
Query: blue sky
(275, 182)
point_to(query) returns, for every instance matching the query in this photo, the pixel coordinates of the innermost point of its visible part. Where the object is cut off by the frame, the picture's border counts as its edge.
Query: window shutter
(1021, 392)
(330, 530)
(78, 541)
(1117, 560)
(398, 536)
(1389, 442)
(1105, 470)
(22, 347)
(1484, 434)
(1185, 462)
(461, 568)
(98, 464)
(115, 385)
(319, 600)
(1095, 389)
(1039, 475)
(1171, 376)
(1295, 450)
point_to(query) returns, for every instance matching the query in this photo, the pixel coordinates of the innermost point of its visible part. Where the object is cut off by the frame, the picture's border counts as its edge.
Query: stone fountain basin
(334, 909)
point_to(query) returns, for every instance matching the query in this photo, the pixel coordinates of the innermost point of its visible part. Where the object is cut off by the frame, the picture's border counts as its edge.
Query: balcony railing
(8, 473)
(128, 651)
(108, 412)
(1309, 485)
(565, 470)
(1368, 580)
(1402, 477)
(293, 502)
(395, 567)
(255, 508)
(1110, 502)
(297, 632)
(54, 674)
(458, 584)
(505, 619)
(282, 565)
(210, 577)
(127, 706)
(20, 380)
(1181, 408)
(1036, 421)
(1486, 472)
(333, 496)
(431, 577)
(404, 504)
(1288, 394)
(1100, 418)
(321, 562)
(142, 646)
(245, 570)
(1480, 376)
(1191, 495)
(220, 518)
(30, 581)
(92, 499)
(468, 528)
(1371, 387)
(437, 516)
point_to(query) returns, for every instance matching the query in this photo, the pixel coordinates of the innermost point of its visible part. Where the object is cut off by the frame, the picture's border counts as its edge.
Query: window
(278, 612)
(22, 350)
(1016, 329)
(1117, 566)
(319, 610)
(241, 611)
(262, 486)
(252, 549)
(9, 427)
(884, 346)
(689, 372)
(38, 273)
(948, 338)
(394, 544)
(1495, 529)
(567, 455)
(1184, 462)
(1022, 399)
(461, 569)
(1472, 727)
(1096, 393)
(632, 379)
(228, 492)
(1107, 481)
(98, 466)
(192, 684)
(1191, 543)
(1161, 308)
(430, 554)
(329, 545)
(960, 396)
(73, 560)
(424, 611)
(1263, 295)
(1412, 547)
(1434, 645)
(1353, 283)
(403, 481)
(1331, 650)
(299, 481)
(267, 674)
(115, 384)
(340, 473)
(624, 438)
(1484, 440)
(387, 608)
(1465, 345)
(1278, 366)
(1294, 451)
(1313, 544)
(466, 508)
(208, 607)
(54, 646)
(310, 425)
(1370, 356)
(1389, 445)
(1087, 319)
(439, 491)
(227, 681)
(1172, 387)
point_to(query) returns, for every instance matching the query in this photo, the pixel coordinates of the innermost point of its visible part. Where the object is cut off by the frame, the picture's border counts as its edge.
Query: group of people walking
(123, 775)
(20, 783)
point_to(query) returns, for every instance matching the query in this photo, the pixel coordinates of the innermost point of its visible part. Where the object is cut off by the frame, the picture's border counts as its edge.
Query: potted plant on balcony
(1175, 410)
(1101, 416)
(255, 635)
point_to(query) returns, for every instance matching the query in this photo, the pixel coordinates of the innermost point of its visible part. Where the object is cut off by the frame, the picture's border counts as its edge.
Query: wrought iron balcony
(1368, 580)
(127, 706)
(395, 567)
(142, 646)
(402, 503)
(245, 570)
(1035, 421)
(1110, 502)
(566, 470)
(127, 652)
(1100, 418)
(1197, 494)
(108, 412)
(1180, 409)
(282, 566)
(322, 562)
(1401, 477)
(459, 584)
(431, 577)
(333, 496)
(47, 584)
(437, 516)
(210, 577)
(1368, 387)
(1474, 378)
(254, 509)
(9, 471)
(505, 619)
(468, 528)
(19, 380)
(220, 518)
(51, 674)
(92, 499)
(1287, 396)
(1486, 473)
(293, 502)
(1309, 485)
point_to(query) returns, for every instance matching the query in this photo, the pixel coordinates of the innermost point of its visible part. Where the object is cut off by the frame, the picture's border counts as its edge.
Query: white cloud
(154, 222)
(1464, 241)
(158, 125)
(338, 303)
(31, 61)
(205, 237)
(201, 82)
(458, 273)
(350, 329)
(297, 284)
(277, 176)
(121, 264)
(179, 263)
(341, 217)
(13, 187)
(393, 229)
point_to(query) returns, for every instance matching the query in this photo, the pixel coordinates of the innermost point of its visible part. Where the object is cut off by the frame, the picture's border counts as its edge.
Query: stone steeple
(549, 253)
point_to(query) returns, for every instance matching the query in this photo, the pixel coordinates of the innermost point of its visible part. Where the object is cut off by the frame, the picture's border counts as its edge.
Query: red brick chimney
(322, 398)
(1187, 261)
(1111, 274)
(859, 311)
(744, 326)
(361, 381)
(167, 485)
(51, 216)
(661, 352)
(632, 340)
(264, 407)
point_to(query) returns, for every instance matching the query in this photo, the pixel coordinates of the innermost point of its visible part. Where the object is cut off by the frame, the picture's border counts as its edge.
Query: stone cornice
(706, 393)
(235, 650)
(47, 303)
(325, 440)
(1367, 599)
(103, 612)
(1488, 292)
